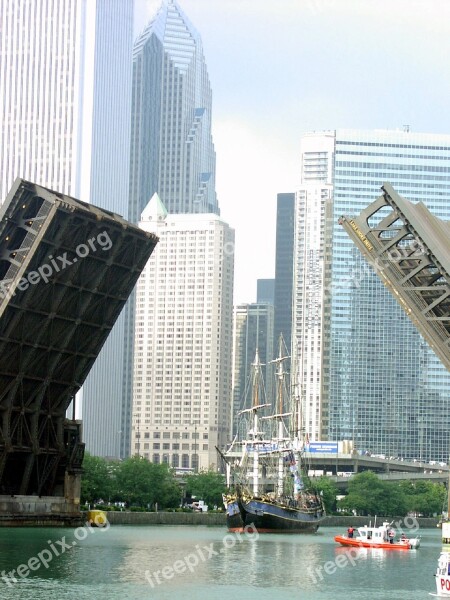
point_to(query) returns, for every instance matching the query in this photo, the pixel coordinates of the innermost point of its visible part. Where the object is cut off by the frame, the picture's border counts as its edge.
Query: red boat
(382, 536)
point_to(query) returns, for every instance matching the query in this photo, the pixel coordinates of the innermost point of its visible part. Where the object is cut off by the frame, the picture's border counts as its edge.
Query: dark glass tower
(284, 268)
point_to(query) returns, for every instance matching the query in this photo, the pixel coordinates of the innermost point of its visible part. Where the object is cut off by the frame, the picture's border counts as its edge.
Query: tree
(96, 480)
(208, 485)
(369, 495)
(425, 497)
(142, 483)
(329, 491)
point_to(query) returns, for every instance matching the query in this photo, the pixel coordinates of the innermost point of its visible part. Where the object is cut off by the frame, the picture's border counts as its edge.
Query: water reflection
(200, 563)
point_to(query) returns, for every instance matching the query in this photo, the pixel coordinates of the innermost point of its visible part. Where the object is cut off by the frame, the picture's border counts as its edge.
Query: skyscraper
(265, 290)
(252, 330)
(172, 149)
(65, 75)
(172, 155)
(183, 336)
(284, 261)
(382, 386)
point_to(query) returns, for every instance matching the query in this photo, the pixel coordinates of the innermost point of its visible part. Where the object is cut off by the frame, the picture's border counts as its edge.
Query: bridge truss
(409, 248)
(66, 271)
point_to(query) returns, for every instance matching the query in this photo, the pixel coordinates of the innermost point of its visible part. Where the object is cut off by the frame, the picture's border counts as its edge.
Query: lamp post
(196, 448)
(195, 456)
(138, 433)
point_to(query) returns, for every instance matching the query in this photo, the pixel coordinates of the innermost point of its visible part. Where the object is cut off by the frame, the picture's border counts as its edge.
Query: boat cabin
(377, 535)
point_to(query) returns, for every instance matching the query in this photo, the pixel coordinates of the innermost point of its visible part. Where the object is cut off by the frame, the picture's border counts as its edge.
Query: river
(206, 563)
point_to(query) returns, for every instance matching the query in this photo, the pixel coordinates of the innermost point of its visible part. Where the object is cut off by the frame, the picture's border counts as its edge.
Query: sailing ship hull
(267, 517)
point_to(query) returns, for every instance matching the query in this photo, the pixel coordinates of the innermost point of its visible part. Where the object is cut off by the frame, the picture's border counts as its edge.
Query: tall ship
(268, 489)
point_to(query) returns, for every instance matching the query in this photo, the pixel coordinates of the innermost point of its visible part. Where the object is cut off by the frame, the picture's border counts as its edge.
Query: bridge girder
(409, 249)
(66, 271)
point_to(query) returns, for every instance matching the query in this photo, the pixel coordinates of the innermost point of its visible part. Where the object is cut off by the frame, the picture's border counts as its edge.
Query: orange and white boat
(382, 536)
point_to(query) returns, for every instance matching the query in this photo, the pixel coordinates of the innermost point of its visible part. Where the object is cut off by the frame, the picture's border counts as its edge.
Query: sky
(281, 68)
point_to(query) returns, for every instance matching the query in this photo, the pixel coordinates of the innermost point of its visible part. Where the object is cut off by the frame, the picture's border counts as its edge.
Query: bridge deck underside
(66, 271)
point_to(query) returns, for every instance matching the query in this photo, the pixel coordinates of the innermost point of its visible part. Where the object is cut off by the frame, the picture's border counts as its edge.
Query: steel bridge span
(66, 271)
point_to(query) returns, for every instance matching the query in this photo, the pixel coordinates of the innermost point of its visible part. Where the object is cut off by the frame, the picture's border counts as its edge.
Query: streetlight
(195, 456)
(138, 433)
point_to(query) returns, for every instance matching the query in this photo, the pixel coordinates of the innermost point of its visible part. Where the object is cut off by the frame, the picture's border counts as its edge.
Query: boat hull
(265, 517)
(443, 586)
(355, 543)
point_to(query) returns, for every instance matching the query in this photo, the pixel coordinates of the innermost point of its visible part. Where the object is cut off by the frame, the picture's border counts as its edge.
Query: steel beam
(409, 248)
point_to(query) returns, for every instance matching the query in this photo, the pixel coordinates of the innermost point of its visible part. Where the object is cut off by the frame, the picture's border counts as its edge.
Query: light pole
(138, 433)
(195, 456)
(195, 448)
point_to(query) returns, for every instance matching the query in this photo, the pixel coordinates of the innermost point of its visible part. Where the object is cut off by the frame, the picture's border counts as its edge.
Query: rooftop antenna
(406, 128)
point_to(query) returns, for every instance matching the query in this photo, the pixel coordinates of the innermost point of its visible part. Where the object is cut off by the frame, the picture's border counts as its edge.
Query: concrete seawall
(218, 519)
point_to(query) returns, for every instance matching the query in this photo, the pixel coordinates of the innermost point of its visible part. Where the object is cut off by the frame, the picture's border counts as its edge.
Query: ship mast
(255, 406)
(280, 389)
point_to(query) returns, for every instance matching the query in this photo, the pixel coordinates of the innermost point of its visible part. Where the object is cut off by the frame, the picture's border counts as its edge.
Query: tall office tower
(284, 261)
(309, 327)
(172, 148)
(313, 206)
(65, 76)
(265, 290)
(383, 387)
(252, 330)
(172, 152)
(183, 338)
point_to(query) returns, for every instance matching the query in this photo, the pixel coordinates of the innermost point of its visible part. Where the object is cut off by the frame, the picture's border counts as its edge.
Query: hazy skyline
(280, 68)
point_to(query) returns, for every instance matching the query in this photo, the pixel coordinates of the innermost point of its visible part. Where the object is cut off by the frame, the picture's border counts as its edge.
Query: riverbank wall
(214, 519)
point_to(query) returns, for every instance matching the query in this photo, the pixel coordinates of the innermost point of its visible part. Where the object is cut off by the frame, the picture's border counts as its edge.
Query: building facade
(265, 290)
(183, 340)
(172, 155)
(382, 386)
(252, 330)
(172, 148)
(284, 268)
(65, 75)
(310, 314)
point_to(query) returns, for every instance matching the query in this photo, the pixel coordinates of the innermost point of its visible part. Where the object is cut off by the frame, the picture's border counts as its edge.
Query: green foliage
(328, 490)
(369, 495)
(424, 497)
(96, 481)
(142, 483)
(208, 485)
(135, 481)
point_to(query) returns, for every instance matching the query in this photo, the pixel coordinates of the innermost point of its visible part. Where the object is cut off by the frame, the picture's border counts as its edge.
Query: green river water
(206, 563)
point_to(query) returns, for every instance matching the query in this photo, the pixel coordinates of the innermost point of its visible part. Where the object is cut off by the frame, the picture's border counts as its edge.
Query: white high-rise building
(312, 208)
(65, 106)
(183, 340)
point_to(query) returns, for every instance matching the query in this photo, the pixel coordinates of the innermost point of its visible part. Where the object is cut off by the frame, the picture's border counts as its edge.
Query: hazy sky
(279, 68)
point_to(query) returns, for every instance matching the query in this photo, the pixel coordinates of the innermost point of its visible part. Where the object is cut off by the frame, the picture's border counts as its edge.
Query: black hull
(265, 517)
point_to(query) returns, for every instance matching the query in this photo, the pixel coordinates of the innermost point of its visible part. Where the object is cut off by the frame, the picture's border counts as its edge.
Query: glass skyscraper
(284, 257)
(383, 387)
(65, 76)
(252, 331)
(172, 148)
